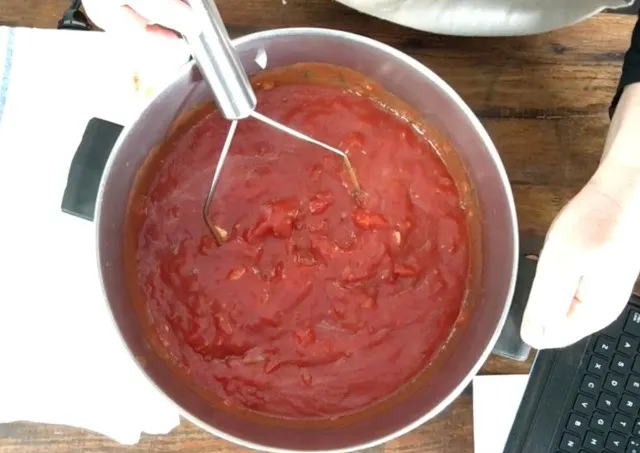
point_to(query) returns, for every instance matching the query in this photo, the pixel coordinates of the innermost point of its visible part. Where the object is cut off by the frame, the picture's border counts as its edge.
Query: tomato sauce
(317, 304)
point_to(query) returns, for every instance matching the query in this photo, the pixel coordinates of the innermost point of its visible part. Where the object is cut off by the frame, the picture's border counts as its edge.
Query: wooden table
(543, 99)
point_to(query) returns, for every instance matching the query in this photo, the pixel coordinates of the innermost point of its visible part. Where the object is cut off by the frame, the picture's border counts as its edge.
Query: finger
(601, 295)
(580, 323)
(173, 14)
(557, 278)
(128, 22)
(113, 17)
(604, 290)
(587, 316)
(564, 335)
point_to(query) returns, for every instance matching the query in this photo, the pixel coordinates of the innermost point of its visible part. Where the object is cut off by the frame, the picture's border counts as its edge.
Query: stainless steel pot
(441, 106)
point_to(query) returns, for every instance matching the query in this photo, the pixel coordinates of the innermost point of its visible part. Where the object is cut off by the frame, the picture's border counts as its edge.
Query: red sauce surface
(315, 306)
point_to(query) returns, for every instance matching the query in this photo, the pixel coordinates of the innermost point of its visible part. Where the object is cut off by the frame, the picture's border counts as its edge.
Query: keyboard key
(607, 403)
(629, 404)
(584, 404)
(632, 326)
(577, 424)
(622, 423)
(593, 441)
(600, 422)
(615, 443)
(627, 345)
(604, 347)
(633, 446)
(597, 365)
(621, 364)
(633, 384)
(569, 443)
(614, 383)
(636, 428)
(590, 385)
(636, 365)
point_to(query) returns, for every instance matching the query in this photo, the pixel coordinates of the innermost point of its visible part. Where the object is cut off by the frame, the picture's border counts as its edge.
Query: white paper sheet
(495, 403)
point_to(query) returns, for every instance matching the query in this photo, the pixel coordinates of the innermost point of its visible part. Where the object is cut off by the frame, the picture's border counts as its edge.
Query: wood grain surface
(543, 99)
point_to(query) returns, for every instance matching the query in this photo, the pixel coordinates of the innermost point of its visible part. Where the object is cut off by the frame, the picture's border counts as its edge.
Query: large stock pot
(440, 106)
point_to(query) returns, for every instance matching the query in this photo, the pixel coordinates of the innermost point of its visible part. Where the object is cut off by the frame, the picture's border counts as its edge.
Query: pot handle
(87, 166)
(510, 344)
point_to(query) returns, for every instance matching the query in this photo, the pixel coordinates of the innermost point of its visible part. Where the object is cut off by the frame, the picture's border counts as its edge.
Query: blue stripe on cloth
(5, 68)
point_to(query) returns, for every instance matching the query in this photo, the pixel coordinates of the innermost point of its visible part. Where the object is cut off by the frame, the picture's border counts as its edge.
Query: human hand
(591, 257)
(136, 16)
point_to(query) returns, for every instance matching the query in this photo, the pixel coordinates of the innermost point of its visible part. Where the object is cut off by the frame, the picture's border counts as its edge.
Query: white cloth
(61, 360)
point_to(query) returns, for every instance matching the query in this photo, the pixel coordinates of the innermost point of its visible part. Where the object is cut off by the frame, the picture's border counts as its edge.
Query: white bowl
(484, 17)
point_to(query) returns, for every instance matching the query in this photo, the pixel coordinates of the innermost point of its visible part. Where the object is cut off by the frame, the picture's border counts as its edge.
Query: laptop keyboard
(605, 417)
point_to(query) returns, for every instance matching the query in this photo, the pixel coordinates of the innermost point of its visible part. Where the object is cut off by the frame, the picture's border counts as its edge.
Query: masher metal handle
(221, 68)
(219, 62)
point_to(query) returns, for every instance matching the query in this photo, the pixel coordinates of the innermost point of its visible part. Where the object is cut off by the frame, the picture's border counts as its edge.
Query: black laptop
(584, 398)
